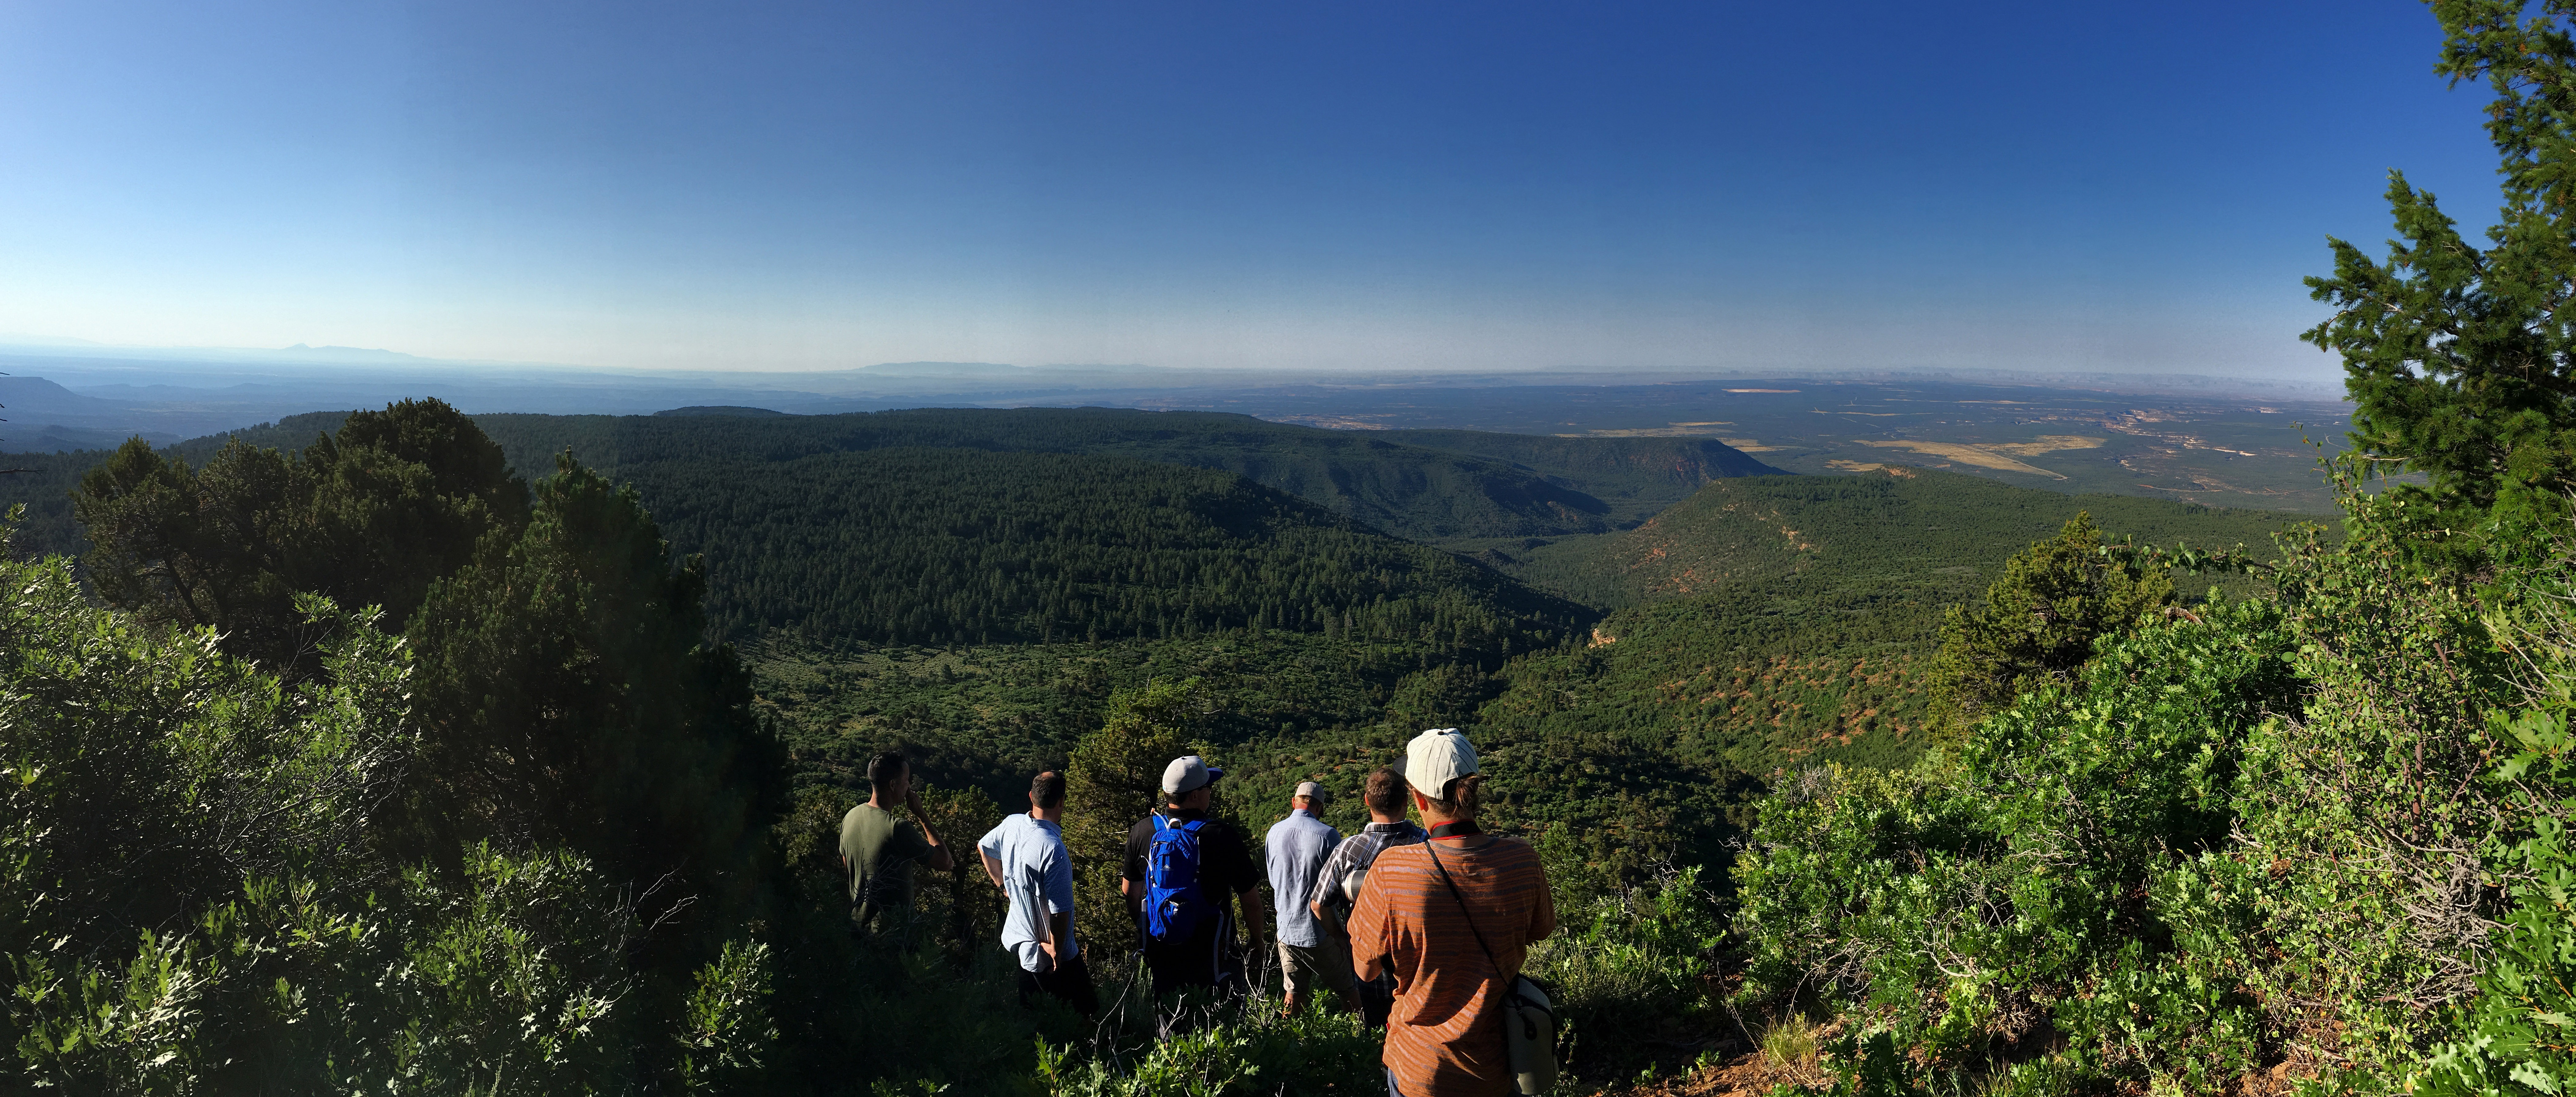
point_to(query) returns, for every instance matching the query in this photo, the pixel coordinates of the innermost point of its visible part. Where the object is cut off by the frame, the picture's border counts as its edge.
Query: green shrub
(2360, 864)
(1633, 974)
(1245, 1048)
(2034, 886)
(2514, 1034)
(190, 897)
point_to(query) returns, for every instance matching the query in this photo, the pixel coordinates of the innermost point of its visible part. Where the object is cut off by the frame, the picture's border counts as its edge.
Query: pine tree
(1114, 780)
(2462, 360)
(570, 698)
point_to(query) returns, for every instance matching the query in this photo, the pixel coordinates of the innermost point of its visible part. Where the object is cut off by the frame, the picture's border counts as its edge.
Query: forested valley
(403, 750)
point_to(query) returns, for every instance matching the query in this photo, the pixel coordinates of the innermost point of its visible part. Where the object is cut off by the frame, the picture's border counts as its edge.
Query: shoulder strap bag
(1529, 1022)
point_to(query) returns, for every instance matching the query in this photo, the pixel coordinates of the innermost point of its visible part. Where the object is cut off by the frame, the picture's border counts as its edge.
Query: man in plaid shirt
(1384, 795)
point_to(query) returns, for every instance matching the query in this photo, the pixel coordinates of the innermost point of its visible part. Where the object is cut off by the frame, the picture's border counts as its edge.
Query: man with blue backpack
(1185, 874)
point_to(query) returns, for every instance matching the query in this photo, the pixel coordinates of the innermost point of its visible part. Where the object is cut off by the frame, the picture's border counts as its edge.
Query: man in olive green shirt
(879, 849)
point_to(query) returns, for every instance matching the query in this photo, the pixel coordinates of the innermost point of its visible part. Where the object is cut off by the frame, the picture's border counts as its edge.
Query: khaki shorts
(1303, 967)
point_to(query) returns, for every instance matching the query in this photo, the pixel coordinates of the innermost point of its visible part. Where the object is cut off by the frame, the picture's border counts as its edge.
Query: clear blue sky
(1388, 185)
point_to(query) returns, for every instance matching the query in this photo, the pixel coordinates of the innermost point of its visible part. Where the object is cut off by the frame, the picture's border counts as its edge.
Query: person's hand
(1047, 950)
(912, 801)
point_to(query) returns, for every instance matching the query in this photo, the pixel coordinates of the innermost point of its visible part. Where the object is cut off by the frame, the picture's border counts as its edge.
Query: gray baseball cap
(1187, 773)
(1310, 790)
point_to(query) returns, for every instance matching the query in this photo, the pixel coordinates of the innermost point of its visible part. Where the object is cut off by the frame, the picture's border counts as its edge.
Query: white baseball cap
(1310, 790)
(1187, 773)
(1435, 758)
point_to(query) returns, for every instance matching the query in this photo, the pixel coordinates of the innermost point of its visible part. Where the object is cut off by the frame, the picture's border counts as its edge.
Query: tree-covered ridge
(1414, 490)
(1906, 535)
(908, 546)
(1618, 469)
(1423, 484)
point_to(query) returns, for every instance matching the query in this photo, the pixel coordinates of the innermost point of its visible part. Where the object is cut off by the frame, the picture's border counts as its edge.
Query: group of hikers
(1420, 929)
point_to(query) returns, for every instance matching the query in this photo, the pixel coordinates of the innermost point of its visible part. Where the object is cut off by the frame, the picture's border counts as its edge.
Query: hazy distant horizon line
(22, 345)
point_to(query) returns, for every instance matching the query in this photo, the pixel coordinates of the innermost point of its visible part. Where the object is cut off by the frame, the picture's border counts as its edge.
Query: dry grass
(1789, 1047)
(1786, 1054)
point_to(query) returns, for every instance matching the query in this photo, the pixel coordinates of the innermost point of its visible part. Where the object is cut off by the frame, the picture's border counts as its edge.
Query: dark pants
(1207, 958)
(1070, 982)
(1375, 998)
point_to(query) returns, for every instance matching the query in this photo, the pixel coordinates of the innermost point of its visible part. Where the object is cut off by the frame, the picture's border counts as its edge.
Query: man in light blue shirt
(1026, 858)
(1297, 847)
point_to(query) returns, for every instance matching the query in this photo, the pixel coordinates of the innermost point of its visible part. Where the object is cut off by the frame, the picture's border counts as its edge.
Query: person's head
(1046, 792)
(889, 778)
(1309, 797)
(1384, 795)
(1188, 782)
(1440, 765)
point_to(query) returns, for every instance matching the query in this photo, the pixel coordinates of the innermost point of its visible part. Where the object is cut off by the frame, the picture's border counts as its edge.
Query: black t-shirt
(1225, 865)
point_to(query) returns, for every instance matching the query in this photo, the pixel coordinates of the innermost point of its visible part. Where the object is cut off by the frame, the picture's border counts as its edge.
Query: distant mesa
(723, 409)
(351, 354)
(941, 369)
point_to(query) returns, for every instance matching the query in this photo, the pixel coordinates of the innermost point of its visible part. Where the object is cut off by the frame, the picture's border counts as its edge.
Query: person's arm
(1131, 868)
(1249, 892)
(990, 848)
(937, 856)
(1253, 909)
(1059, 927)
(1326, 920)
(1328, 886)
(1368, 932)
(1055, 890)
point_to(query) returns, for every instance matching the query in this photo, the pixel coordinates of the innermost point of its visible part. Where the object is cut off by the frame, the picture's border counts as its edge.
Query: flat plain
(2215, 447)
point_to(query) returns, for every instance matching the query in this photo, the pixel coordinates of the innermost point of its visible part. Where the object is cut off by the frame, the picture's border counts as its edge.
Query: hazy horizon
(77, 356)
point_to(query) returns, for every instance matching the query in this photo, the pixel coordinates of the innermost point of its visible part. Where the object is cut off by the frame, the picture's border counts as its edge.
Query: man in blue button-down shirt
(1297, 847)
(1026, 858)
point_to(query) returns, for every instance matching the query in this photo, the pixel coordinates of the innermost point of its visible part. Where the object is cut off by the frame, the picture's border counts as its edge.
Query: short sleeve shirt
(1037, 878)
(881, 850)
(1445, 1035)
(1224, 864)
(1297, 848)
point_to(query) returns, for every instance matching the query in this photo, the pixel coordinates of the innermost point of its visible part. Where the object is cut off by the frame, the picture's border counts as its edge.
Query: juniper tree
(2039, 621)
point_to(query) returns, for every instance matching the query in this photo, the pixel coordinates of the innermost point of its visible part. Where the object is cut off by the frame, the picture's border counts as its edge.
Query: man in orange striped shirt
(1453, 944)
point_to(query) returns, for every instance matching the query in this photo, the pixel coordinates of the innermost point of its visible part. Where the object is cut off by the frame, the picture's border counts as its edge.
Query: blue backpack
(1175, 904)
